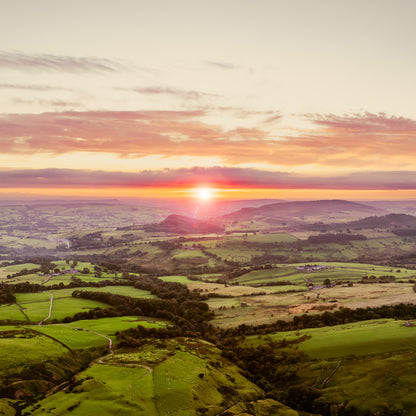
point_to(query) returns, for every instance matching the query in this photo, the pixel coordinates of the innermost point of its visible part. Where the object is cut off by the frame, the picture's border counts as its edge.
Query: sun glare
(204, 193)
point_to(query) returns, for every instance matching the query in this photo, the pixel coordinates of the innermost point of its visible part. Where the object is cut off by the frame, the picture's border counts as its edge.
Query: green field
(356, 339)
(117, 290)
(185, 254)
(22, 346)
(36, 307)
(335, 271)
(271, 238)
(176, 279)
(8, 270)
(71, 335)
(174, 377)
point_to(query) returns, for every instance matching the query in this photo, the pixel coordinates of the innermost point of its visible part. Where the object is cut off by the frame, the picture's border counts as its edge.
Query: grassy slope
(178, 377)
(369, 365)
(359, 339)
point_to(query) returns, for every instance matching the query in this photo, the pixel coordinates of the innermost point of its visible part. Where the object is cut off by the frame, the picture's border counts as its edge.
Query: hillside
(179, 224)
(179, 377)
(385, 221)
(303, 211)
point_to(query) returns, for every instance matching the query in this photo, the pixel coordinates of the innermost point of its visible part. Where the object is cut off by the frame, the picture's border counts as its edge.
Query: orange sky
(217, 194)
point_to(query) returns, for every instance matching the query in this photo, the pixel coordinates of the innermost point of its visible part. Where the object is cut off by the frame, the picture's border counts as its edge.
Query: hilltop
(179, 224)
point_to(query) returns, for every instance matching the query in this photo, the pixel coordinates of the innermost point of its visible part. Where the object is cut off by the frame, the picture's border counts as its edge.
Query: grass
(15, 268)
(336, 271)
(216, 303)
(71, 336)
(104, 390)
(23, 347)
(164, 377)
(117, 290)
(36, 307)
(279, 305)
(355, 339)
(176, 279)
(185, 254)
(271, 238)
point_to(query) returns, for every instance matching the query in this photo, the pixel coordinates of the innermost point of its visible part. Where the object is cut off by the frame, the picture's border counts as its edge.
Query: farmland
(244, 321)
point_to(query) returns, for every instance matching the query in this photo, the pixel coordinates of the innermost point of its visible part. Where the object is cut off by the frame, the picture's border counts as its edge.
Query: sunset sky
(282, 99)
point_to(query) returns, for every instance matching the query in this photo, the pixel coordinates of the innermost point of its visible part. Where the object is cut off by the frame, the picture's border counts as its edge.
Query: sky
(290, 99)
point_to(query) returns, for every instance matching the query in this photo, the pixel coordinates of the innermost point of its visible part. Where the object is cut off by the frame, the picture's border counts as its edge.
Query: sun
(204, 194)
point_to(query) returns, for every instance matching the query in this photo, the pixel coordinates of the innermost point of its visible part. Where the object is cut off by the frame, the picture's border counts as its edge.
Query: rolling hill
(306, 211)
(385, 221)
(179, 224)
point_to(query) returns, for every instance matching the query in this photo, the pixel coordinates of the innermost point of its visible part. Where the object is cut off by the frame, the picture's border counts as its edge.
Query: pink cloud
(365, 141)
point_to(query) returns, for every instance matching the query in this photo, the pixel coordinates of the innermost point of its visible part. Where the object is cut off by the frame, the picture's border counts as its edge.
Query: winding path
(50, 310)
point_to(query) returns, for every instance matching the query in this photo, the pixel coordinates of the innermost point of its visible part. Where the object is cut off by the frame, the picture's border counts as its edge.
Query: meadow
(357, 339)
(89, 332)
(151, 382)
(34, 307)
(20, 346)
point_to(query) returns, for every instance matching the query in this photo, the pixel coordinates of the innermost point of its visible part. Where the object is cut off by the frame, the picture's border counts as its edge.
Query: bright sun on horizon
(204, 193)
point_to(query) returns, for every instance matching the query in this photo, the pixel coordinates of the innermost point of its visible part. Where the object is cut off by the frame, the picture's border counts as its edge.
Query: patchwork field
(268, 308)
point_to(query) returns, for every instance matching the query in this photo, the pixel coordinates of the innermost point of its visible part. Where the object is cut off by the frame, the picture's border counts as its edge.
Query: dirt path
(50, 310)
(47, 280)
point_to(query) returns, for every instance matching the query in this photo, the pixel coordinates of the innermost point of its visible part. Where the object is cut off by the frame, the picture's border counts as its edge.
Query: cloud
(366, 123)
(272, 119)
(184, 94)
(214, 176)
(222, 65)
(49, 103)
(365, 141)
(127, 133)
(24, 87)
(57, 63)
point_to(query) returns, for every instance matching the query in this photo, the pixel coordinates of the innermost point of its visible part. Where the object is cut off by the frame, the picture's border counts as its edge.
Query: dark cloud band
(224, 177)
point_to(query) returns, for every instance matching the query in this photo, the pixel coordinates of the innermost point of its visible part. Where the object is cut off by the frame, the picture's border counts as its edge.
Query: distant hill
(397, 207)
(193, 207)
(303, 211)
(385, 221)
(179, 224)
(218, 208)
